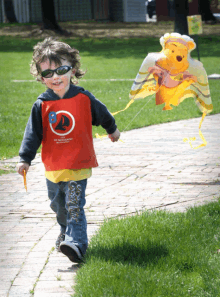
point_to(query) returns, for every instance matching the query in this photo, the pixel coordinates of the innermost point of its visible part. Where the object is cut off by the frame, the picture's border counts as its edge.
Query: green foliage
(154, 254)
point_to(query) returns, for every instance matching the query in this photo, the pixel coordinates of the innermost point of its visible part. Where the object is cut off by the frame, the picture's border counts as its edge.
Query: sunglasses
(48, 73)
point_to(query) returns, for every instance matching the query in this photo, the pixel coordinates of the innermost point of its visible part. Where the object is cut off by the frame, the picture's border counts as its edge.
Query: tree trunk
(205, 11)
(181, 8)
(9, 11)
(48, 16)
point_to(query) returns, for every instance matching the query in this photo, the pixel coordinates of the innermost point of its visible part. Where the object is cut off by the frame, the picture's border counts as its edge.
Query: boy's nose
(55, 75)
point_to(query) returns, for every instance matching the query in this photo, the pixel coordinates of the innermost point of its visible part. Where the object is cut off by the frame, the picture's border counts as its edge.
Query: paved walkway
(153, 168)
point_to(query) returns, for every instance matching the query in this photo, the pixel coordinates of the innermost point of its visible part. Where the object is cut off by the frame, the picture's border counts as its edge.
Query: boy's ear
(73, 71)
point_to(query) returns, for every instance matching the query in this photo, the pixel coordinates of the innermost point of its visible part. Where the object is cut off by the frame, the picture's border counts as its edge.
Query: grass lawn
(155, 254)
(103, 59)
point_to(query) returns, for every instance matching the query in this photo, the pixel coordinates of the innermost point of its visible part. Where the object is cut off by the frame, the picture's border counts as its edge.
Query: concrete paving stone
(54, 286)
(11, 262)
(10, 272)
(96, 219)
(44, 248)
(51, 275)
(57, 257)
(39, 254)
(45, 222)
(23, 244)
(5, 285)
(26, 282)
(35, 262)
(13, 254)
(4, 293)
(71, 267)
(43, 294)
(20, 291)
(59, 264)
(29, 273)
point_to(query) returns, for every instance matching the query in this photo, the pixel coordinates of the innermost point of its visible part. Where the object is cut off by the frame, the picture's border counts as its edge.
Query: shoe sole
(70, 253)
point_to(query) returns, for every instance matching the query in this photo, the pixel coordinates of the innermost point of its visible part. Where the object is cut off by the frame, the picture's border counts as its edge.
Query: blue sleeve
(101, 115)
(33, 135)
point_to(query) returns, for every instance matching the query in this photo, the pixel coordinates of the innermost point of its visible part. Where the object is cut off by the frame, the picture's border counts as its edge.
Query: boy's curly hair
(54, 51)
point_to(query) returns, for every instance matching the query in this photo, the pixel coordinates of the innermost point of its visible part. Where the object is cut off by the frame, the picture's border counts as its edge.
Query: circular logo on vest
(61, 122)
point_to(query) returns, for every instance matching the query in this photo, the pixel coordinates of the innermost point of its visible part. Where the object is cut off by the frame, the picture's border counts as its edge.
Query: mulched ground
(101, 30)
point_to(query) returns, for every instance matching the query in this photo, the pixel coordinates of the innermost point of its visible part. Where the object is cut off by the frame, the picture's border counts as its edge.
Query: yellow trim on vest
(68, 174)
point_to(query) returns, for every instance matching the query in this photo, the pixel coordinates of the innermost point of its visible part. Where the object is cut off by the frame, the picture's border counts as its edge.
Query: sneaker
(71, 251)
(60, 238)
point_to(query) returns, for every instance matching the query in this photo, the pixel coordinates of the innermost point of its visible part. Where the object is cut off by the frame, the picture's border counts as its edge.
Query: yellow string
(189, 140)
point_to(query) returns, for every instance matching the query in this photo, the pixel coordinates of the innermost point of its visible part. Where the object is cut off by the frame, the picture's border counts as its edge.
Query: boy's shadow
(130, 254)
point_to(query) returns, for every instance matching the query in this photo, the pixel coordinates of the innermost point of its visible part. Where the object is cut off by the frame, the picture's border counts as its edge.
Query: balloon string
(114, 113)
(136, 114)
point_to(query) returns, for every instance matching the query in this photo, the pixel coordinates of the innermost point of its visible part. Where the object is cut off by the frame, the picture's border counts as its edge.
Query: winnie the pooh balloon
(173, 75)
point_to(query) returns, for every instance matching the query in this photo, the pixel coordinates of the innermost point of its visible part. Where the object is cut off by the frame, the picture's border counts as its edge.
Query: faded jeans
(67, 201)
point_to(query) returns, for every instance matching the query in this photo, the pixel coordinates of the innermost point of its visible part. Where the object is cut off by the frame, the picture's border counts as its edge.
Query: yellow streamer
(129, 103)
(189, 140)
(25, 181)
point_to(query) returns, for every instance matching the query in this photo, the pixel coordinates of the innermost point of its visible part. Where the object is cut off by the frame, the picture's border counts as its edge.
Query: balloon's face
(176, 57)
(177, 52)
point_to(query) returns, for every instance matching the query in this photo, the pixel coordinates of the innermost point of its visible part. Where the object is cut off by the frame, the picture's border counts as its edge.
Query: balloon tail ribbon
(25, 180)
(189, 140)
(126, 107)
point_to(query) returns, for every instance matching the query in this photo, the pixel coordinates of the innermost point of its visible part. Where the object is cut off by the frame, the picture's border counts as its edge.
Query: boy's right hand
(114, 136)
(21, 167)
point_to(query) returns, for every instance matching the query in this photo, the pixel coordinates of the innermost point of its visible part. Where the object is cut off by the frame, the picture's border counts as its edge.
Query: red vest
(67, 134)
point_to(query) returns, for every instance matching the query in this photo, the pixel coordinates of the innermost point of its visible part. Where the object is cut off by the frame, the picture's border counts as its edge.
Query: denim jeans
(67, 201)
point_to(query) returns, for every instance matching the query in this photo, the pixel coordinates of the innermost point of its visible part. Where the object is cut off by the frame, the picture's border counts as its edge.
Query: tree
(181, 8)
(205, 11)
(9, 11)
(49, 18)
(48, 15)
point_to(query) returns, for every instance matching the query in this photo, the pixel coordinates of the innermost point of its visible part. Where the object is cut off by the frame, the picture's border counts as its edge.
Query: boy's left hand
(114, 136)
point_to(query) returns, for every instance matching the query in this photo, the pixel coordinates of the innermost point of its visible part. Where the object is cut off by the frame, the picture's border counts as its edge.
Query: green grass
(155, 254)
(103, 59)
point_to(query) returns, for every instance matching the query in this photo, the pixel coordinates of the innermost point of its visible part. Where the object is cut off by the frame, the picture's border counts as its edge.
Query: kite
(173, 75)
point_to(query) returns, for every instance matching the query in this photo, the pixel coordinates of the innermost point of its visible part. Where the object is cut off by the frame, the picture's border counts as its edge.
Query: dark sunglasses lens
(47, 73)
(62, 70)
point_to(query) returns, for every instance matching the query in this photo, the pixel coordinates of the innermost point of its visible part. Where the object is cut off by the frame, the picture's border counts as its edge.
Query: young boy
(61, 120)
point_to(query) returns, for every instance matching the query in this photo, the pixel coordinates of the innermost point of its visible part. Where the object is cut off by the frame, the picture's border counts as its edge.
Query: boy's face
(58, 83)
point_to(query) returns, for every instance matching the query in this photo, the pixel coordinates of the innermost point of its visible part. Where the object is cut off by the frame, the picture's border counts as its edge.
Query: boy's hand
(114, 136)
(21, 167)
